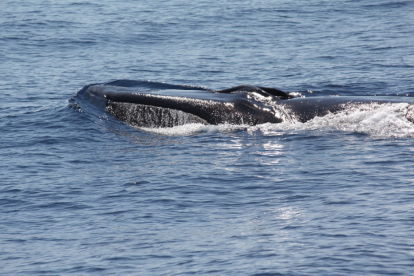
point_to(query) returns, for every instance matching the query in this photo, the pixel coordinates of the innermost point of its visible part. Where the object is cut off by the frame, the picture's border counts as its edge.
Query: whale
(156, 104)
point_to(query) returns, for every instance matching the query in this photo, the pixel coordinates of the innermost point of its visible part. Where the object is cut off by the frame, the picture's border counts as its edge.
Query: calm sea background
(84, 194)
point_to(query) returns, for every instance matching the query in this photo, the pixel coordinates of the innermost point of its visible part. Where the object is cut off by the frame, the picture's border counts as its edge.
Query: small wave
(197, 128)
(376, 120)
(381, 121)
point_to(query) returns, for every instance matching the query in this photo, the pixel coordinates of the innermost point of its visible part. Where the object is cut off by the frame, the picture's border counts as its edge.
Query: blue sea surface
(82, 193)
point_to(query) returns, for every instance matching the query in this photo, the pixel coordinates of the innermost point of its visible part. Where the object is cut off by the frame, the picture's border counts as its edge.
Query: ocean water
(82, 193)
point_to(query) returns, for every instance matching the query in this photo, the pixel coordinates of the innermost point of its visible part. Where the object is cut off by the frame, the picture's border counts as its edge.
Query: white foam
(189, 129)
(375, 120)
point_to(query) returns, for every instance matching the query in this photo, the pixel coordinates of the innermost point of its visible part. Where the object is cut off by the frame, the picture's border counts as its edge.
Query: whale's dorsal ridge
(259, 89)
(277, 93)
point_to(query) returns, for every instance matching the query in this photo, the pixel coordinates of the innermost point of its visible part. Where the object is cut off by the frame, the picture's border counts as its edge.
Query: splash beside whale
(154, 104)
